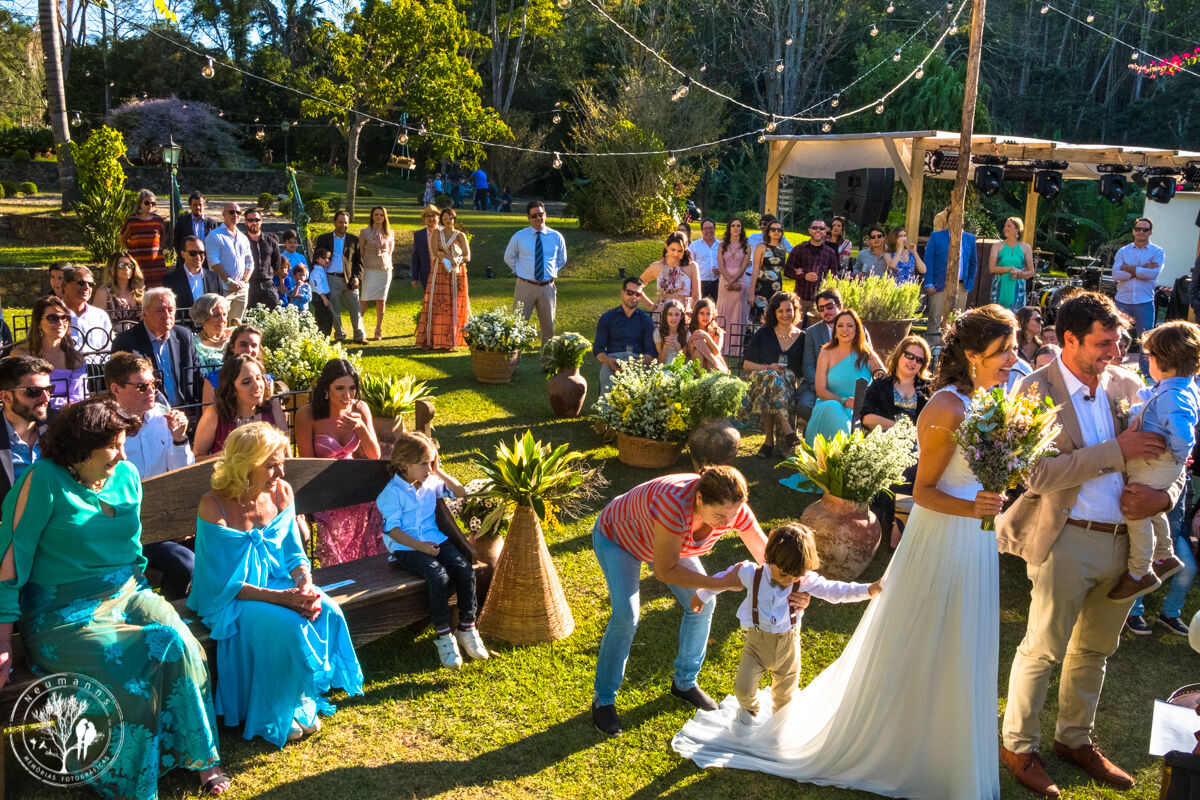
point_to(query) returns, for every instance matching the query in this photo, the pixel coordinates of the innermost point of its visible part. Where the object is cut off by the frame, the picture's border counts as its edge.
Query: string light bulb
(950, 5)
(671, 159)
(684, 88)
(1133, 56)
(256, 119)
(1045, 8)
(628, 87)
(208, 70)
(260, 133)
(1091, 17)
(789, 41)
(403, 139)
(704, 67)
(896, 55)
(891, 7)
(564, 4)
(675, 96)
(874, 29)
(835, 100)
(421, 130)
(221, 114)
(827, 126)
(772, 125)
(557, 118)
(762, 137)
(879, 106)
(779, 65)
(920, 73)
(76, 119)
(557, 162)
(953, 29)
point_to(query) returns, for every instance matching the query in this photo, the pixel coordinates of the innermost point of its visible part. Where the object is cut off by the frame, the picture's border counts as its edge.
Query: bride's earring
(974, 372)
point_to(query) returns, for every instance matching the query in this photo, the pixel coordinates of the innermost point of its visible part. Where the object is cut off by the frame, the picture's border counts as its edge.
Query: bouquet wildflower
(500, 330)
(299, 361)
(648, 400)
(565, 351)
(282, 325)
(1004, 437)
(858, 466)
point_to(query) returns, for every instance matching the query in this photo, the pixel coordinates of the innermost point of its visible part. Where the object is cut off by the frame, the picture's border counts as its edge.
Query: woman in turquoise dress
(72, 578)
(845, 359)
(1010, 262)
(282, 644)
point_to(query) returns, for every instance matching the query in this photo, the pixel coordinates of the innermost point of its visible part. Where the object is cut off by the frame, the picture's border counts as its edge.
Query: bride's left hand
(799, 600)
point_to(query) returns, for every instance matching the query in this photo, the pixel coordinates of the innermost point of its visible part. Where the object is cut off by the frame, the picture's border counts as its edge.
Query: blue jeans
(1142, 315)
(443, 572)
(622, 572)
(1173, 602)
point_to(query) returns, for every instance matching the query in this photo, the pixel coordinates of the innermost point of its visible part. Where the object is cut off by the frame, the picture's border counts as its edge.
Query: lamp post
(170, 154)
(284, 127)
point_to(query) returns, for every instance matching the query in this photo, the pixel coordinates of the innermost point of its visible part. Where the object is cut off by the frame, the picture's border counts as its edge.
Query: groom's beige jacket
(1031, 526)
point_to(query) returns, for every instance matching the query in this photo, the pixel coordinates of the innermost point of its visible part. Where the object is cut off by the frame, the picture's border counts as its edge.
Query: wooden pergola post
(916, 189)
(1031, 212)
(774, 165)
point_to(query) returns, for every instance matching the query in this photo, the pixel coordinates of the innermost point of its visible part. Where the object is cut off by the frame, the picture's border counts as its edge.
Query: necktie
(539, 258)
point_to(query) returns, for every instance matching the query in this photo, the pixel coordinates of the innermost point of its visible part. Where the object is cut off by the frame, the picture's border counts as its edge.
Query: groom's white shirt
(1099, 499)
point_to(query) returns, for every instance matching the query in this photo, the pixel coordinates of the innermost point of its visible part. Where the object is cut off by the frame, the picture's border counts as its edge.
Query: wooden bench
(376, 597)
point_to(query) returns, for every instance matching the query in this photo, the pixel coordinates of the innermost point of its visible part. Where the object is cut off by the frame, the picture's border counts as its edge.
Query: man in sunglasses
(1135, 269)
(193, 278)
(537, 255)
(623, 333)
(229, 256)
(91, 327)
(264, 247)
(25, 394)
(192, 223)
(816, 336)
(808, 264)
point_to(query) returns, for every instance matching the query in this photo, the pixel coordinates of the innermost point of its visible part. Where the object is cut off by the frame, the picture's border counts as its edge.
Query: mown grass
(517, 726)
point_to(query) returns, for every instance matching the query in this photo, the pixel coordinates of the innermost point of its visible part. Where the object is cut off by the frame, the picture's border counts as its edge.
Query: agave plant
(391, 396)
(552, 480)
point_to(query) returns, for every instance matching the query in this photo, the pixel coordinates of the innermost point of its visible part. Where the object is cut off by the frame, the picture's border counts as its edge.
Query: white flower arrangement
(294, 349)
(858, 466)
(500, 330)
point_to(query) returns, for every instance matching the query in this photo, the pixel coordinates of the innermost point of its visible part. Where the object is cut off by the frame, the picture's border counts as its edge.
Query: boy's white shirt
(774, 615)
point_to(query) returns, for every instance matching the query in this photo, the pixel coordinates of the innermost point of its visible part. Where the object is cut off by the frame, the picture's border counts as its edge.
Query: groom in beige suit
(1069, 527)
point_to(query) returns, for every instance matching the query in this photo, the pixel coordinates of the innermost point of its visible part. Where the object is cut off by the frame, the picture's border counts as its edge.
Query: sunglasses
(1141, 229)
(537, 216)
(818, 228)
(826, 306)
(82, 284)
(876, 236)
(234, 213)
(774, 230)
(253, 219)
(194, 252)
(920, 360)
(124, 265)
(149, 203)
(141, 387)
(631, 293)
(55, 319)
(34, 392)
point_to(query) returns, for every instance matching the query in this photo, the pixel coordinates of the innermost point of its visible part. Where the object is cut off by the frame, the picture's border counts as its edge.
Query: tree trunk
(57, 97)
(512, 73)
(357, 122)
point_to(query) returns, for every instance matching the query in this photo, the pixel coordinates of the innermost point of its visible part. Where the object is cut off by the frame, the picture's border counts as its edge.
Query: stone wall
(21, 286)
(41, 230)
(209, 181)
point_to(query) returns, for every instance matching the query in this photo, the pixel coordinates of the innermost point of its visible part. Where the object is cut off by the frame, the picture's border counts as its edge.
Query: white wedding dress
(909, 708)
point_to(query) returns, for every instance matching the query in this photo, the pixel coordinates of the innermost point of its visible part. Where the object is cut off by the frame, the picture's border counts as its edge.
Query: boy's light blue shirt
(1172, 409)
(318, 280)
(412, 509)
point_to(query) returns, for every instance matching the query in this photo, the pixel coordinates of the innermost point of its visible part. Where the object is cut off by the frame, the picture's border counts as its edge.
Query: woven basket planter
(525, 602)
(637, 451)
(492, 366)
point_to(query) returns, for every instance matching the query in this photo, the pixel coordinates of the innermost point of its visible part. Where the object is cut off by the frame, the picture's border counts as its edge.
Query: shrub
(308, 195)
(318, 209)
(265, 201)
(32, 140)
(21, 156)
(285, 206)
(27, 188)
(337, 202)
(363, 191)
(9, 188)
(878, 298)
(443, 201)
(750, 219)
(211, 140)
(103, 202)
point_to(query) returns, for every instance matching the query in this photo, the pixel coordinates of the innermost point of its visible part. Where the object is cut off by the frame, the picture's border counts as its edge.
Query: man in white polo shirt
(91, 327)
(1135, 269)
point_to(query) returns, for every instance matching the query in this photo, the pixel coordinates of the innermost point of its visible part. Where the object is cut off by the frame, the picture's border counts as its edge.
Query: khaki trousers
(936, 307)
(543, 299)
(1072, 622)
(237, 302)
(1150, 538)
(777, 653)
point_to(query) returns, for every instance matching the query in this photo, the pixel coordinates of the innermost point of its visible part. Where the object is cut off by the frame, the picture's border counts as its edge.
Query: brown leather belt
(536, 283)
(1113, 529)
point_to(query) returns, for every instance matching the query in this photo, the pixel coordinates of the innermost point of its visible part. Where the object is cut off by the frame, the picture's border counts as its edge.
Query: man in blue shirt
(937, 256)
(623, 333)
(481, 189)
(25, 394)
(537, 254)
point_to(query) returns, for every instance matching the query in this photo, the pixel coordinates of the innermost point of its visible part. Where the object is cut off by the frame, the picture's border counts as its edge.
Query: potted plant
(711, 401)
(532, 483)
(294, 349)
(496, 338)
(390, 397)
(850, 470)
(567, 389)
(473, 511)
(887, 308)
(645, 406)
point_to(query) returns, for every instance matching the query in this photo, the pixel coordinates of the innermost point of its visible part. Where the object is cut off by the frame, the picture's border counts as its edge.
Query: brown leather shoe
(1030, 772)
(1167, 567)
(1089, 759)
(1128, 588)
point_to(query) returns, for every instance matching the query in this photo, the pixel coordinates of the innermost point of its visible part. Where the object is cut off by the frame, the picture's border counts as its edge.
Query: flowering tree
(207, 139)
(103, 202)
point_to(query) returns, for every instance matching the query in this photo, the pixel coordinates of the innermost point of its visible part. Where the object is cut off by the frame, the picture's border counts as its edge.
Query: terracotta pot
(494, 367)
(847, 536)
(637, 451)
(567, 391)
(885, 335)
(714, 441)
(488, 548)
(386, 428)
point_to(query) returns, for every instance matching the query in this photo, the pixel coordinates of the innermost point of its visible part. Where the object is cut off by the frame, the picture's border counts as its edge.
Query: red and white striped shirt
(629, 520)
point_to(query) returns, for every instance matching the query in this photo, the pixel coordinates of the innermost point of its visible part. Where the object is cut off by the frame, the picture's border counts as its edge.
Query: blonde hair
(246, 448)
(411, 448)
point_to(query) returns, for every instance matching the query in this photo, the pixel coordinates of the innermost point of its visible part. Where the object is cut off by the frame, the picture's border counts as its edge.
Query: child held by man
(772, 626)
(409, 507)
(1171, 409)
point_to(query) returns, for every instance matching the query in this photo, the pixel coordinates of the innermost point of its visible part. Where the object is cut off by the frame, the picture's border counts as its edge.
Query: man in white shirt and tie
(1135, 269)
(537, 254)
(229, 256)
(704, 253)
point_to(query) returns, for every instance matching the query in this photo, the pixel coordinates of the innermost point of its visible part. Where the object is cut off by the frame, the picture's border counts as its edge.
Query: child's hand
(429, 549)
(799, 600)
(697, 605)
(875, 588)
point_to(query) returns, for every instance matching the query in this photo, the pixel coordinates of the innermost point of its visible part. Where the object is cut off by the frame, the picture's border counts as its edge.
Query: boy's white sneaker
(469, 641)
(448, 653)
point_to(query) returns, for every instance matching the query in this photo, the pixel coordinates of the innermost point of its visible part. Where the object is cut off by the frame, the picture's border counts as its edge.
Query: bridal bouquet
(1004, 437)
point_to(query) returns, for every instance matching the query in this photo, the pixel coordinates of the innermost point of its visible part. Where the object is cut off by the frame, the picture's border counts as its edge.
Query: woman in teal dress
(282, 644)
(72, 578)
(845, 359)
(1010, 262)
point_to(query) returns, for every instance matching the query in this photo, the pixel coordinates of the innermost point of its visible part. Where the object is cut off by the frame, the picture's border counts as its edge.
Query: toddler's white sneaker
(469, 641)
(448, 653)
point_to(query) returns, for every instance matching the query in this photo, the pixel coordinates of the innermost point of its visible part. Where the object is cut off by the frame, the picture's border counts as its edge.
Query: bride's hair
(974, 330)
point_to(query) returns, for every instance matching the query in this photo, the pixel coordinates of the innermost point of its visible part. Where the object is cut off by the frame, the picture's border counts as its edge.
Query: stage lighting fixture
(1113, 188)
(989, 179)
(1160, 188)
(1047, 183)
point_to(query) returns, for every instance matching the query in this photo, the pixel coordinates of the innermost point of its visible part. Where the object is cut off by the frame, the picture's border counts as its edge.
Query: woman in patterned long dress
(767, 278)
(337, 424)
(282, 643)
(72, 575)
(447, 306)
(733, 294)
(122, 291)
(143, 235)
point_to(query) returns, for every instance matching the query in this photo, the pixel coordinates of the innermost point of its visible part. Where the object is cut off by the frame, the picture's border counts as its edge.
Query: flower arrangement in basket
(565, 352)
(531, 483)
(1004, 437)
(294, 349)
(648, 400)
(501, 330)
(857, 466)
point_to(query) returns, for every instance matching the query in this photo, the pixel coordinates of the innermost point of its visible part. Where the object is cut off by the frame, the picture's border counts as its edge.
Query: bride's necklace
(94, 486)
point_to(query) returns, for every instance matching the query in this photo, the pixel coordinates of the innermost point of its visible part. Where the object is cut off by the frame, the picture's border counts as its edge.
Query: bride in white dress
(910, 707)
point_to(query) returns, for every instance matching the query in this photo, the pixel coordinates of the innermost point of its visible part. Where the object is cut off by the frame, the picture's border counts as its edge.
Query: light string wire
(1108, 35)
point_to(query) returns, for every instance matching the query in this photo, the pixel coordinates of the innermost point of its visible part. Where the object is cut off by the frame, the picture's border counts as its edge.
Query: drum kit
(1049, 292)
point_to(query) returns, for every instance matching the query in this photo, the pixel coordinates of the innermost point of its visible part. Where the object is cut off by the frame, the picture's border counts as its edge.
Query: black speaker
(864, 196)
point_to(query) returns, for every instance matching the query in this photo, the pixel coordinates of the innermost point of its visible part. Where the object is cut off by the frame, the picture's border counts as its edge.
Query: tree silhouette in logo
(61, 717)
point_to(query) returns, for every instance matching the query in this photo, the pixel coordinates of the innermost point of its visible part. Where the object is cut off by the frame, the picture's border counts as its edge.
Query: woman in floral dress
(766, 280)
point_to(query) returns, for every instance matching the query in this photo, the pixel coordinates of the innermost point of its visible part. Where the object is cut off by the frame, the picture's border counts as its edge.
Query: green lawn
(517, 726)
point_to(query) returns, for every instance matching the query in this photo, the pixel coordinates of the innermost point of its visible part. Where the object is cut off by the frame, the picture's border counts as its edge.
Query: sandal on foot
(766, 451)
(215, 784)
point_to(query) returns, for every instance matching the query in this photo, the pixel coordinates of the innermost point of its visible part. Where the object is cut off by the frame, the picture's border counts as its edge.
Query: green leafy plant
(103, 201)
(294, 348)
(27, 188)
(391, 395)
(647, 400)
(21, 156)
(318, 209)
(443, 201)
(474, 509)
(265, 201)
(878, 298)
(553, 481)
(9, 188)
(364, 191)
(282, 324)
(500, 330)
(715, 395)
(565, 351)
(857, 466)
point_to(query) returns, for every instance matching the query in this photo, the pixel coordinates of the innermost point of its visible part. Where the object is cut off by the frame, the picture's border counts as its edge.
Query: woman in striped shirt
(668, 523)
(143, 235)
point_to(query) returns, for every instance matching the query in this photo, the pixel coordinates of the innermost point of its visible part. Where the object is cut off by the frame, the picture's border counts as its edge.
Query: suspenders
(758, 573)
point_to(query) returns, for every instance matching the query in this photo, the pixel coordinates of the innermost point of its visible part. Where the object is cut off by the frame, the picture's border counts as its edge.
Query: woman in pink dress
(336, 424)
(733, 294)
